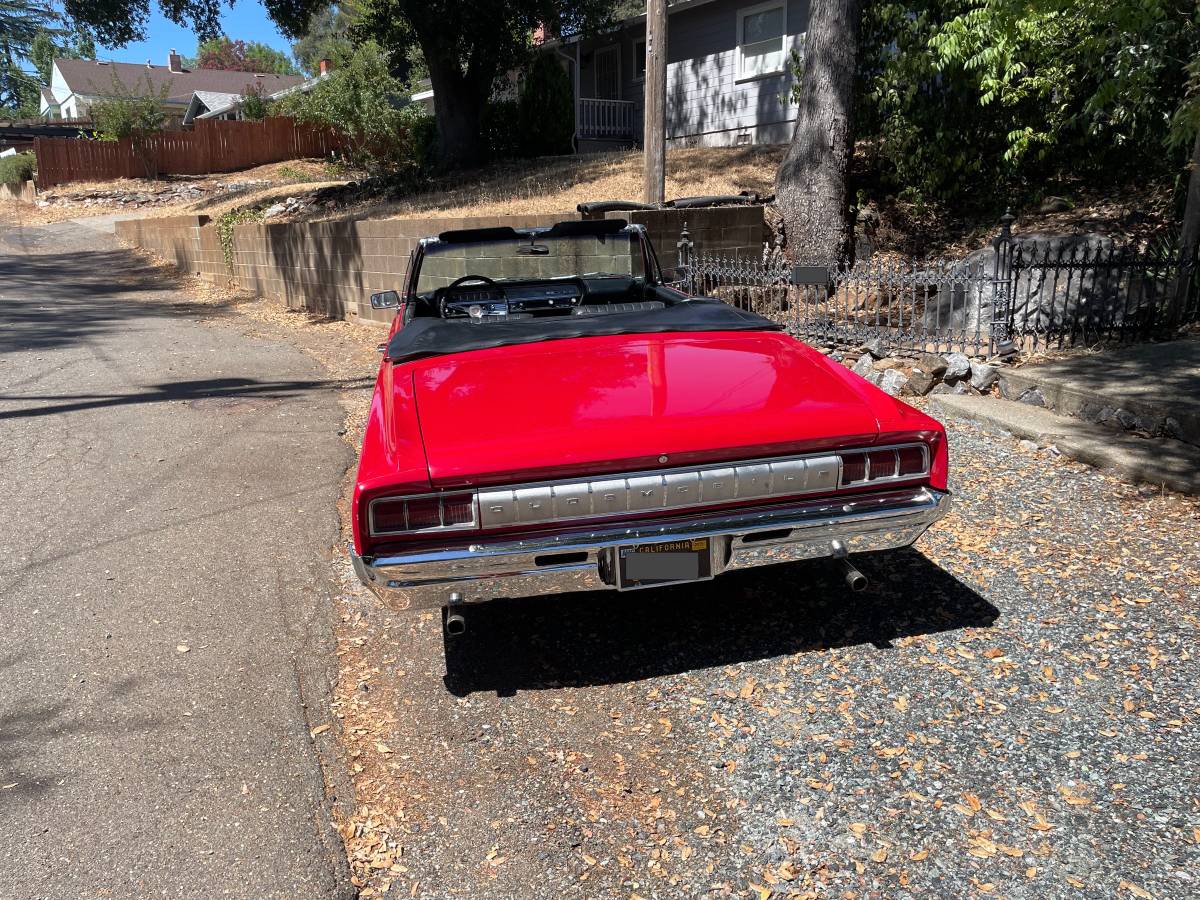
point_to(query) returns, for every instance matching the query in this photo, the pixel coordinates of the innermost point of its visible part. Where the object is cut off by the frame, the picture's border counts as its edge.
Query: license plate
(668, 562)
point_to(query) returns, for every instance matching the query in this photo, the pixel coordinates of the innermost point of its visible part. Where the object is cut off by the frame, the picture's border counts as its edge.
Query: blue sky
(246, 20)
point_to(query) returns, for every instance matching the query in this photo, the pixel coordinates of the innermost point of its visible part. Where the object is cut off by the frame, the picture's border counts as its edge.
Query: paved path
(166, 504)
(1147, 382)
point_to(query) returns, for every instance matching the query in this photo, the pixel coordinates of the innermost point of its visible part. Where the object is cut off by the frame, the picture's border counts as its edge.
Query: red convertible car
(550, 416)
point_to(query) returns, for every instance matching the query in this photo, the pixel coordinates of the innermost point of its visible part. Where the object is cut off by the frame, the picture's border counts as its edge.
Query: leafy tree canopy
(964, 98)
(21, 22)
(327, 36)
(240, 56)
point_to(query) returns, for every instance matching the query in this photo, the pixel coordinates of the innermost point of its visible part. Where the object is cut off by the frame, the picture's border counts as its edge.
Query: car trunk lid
(624, 403)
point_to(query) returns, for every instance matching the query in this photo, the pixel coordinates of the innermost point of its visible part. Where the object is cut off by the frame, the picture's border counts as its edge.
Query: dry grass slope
(558, 184)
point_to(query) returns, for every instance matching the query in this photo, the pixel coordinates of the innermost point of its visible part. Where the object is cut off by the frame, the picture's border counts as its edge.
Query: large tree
(21, 22)
(811, 183)
(239, 56)
(466, 47)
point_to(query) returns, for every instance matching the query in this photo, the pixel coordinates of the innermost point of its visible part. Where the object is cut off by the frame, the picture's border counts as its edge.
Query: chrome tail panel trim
(582, 560)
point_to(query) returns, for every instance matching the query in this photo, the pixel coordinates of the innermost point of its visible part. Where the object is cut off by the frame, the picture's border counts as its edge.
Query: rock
(1126, 420)
(893, 382)
(43, 203)
(836, 356)
(933, 364)
(941, 388)
(275, 209)
(958, 366)
(983, 376)
(1055, 205)
(920, 382)
(875, 348)
(1033, 397)
(876, 378)
(882, 365)
(1042, 297)
(1171, 428)
(864, 365)
(1027, 446)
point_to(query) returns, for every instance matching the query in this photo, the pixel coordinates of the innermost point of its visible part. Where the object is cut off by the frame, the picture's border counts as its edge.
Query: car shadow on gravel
(575, 640)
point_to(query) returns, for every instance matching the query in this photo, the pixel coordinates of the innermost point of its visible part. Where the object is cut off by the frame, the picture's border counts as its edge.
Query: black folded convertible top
(423, 338)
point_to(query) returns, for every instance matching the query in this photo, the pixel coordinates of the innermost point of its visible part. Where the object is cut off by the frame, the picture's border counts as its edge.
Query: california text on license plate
(667, 562)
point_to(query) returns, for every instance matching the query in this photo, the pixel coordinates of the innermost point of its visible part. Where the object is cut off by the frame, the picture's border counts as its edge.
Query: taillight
(431, 512)
(892, 464)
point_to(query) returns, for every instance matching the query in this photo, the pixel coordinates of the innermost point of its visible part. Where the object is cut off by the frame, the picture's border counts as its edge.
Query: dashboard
(478, 300)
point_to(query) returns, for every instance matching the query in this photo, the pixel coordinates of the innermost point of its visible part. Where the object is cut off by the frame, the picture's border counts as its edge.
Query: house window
(639, 60)
(761, 31)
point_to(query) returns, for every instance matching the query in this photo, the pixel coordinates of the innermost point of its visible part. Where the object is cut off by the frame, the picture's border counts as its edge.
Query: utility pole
(654, 137)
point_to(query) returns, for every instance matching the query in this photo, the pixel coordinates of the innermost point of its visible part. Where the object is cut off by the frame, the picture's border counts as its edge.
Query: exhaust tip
(855, 580)
(455, 624)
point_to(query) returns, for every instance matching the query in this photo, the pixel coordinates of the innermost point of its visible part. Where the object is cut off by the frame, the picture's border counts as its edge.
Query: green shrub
(15, 169)
(359, 100)
(420, 138)
(546, 111)
(254, 107)
(501, 131)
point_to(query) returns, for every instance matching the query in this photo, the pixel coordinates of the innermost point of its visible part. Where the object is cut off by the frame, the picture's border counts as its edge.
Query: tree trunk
(458, 103)
(1189, 239)
(810, 187)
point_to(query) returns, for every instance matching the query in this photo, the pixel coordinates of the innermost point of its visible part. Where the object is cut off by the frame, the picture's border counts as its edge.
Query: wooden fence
(212, 145)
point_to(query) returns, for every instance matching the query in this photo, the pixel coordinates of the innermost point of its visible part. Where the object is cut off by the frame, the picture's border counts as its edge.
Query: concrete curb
(1160, 461)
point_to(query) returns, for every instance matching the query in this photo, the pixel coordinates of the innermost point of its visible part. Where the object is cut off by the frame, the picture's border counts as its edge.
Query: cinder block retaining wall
(331, 268)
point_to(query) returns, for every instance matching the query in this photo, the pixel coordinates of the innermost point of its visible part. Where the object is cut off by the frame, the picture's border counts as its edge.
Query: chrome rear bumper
(583, 560)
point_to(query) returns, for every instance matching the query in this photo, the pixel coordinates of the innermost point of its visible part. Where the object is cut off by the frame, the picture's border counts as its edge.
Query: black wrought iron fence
(1029, 291)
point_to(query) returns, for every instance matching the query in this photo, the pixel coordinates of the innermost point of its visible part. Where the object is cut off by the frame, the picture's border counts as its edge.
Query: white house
(75, 84)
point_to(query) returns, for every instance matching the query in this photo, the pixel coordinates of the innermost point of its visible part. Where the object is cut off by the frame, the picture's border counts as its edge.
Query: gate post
(1000, 340)
(683, 271)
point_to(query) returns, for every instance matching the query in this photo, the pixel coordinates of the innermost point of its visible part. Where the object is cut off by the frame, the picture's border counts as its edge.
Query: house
(75, 84)
(211, 105)
(729, 75)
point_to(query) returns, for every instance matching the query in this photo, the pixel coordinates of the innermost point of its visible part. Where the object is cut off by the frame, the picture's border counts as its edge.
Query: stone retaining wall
(331, 268)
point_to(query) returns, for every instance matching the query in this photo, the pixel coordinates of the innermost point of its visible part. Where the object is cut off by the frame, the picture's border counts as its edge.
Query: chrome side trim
(583, 559)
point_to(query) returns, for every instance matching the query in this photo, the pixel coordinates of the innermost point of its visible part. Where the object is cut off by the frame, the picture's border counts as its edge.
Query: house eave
(672, 8)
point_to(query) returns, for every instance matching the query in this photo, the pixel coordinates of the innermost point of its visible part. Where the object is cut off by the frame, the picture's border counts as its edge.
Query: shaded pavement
(166, 511)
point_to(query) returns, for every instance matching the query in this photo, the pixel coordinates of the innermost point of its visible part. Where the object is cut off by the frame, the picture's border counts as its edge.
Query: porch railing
(605, 120)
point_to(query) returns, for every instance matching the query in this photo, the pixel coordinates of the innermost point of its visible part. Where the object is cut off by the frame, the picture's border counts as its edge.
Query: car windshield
(532, 258)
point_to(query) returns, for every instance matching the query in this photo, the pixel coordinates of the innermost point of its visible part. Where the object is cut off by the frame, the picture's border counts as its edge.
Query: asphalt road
(166, 510)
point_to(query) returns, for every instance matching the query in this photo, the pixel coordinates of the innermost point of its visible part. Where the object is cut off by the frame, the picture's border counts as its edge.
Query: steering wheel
(466, 279)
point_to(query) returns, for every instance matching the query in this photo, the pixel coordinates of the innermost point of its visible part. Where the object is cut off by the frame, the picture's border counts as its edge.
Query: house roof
(219, 109)
(85, 76)
(48, 96)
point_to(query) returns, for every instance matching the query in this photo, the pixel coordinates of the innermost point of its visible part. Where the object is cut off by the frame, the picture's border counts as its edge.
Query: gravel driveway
(1009, 710)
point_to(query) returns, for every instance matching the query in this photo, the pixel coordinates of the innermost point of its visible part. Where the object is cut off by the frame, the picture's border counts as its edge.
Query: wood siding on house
(707, 103)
